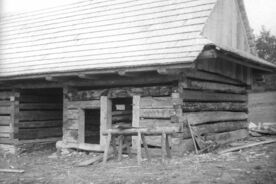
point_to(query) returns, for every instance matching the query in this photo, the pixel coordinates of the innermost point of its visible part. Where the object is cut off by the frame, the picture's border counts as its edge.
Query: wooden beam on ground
(91, 161)
(227, 137)
(11, 171)
(247, 146)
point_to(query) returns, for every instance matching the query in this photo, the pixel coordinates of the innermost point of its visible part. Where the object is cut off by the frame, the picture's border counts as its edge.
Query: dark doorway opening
(92, 126)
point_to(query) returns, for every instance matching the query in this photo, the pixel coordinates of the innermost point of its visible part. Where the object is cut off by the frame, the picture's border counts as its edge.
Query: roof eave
(214, 52)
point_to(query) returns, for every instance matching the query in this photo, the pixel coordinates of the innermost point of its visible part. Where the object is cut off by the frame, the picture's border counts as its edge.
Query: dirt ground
(255, 165)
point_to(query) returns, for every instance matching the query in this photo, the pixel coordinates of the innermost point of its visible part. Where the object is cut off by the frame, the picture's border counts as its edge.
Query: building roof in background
(100, 34)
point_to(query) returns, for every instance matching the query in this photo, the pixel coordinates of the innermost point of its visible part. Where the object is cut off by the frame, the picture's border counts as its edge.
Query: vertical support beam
(163, 146)
(81, 130)
(135, 117)
(14, 115)
(139, 151)
(106, 117)
(66, 91)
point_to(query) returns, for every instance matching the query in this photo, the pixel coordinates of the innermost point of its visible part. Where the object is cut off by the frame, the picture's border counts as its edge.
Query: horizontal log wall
(78, 98)
(40, 114)
(7, 117)
(215, 106)
(74, 101)
(159, 113)
(228, 69)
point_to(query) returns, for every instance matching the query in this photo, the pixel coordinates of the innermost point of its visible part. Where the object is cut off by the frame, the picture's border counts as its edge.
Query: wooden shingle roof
(99, 34)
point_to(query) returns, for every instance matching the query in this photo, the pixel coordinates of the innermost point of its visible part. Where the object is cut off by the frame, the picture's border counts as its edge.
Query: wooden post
(163, 146)
(120, 149)
(81, 130)
(106, 118)
(135, 117)
(107, 147)
(128, 142)
(145, 147)
(14, 115)
(168, 150)
(138, 144)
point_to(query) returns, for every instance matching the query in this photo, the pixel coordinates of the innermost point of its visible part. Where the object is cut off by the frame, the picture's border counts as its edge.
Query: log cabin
(69, 73)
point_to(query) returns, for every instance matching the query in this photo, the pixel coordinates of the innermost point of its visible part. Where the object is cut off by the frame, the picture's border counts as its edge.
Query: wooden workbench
(141, 133)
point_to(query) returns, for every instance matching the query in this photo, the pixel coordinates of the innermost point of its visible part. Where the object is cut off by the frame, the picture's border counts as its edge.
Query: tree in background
(266, 45)
(266, 49)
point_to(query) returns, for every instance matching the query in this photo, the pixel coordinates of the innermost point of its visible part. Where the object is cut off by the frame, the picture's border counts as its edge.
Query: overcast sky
(260, 12)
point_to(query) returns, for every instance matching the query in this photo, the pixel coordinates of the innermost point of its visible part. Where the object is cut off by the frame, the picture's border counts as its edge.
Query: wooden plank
(212, 86)
(46, 140)
(197, 118)
(136, 101)
(121, 92)
(120, 113)
(6, 135)
(168, 149)
(7, 141)
(81, 130)
(199, 96)
(220, 127)
(227, 137)
(5, 129)
(91, 161)
(157, 113)
(160, 124)
(40, 124)
(145, 145)
(221, 106)
(139, 151)
(14, 115)
(5, 120)
(106, 150)
(142, 91)
(197, 74)
(122, 118)
(83, 104)
(39, 115)
(40, 106)
(39, 133)
(5, 103)
(11, 171)
(106, 117)
(156, 102)
(5, 110)
(39, 99)
(6, 94)
(247, 146)
(163, 146)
